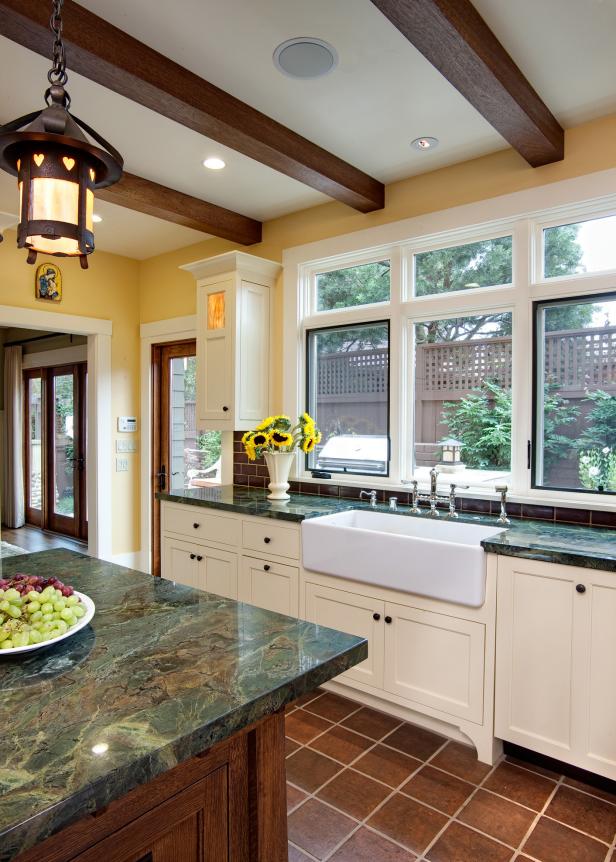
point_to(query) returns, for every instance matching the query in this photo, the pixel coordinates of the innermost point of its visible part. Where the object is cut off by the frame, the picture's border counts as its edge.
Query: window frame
(522, 215)
(332, 328)
(538, 354)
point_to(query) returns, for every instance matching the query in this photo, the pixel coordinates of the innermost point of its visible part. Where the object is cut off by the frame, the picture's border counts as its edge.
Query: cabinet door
(270, 585)
(356, 615)
(179, 562)
(215, 366)
(594, 687)
(218, 571)
(435, 660)
(252, 383)
(535, 648)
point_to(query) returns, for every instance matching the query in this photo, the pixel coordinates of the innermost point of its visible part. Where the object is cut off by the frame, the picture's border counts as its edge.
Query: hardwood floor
(32, 539)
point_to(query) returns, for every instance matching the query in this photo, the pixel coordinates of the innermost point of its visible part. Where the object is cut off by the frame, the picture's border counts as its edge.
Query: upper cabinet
(234, 308)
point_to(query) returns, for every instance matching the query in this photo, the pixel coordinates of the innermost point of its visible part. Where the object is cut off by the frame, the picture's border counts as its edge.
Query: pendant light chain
(57, 74)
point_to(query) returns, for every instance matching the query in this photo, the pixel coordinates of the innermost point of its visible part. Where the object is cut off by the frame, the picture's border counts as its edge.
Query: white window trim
(524, 214)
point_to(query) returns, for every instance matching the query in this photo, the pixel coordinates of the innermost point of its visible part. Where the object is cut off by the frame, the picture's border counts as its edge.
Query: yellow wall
(108, 290)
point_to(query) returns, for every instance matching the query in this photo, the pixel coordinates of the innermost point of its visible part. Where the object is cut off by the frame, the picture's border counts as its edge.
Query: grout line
(536, 820)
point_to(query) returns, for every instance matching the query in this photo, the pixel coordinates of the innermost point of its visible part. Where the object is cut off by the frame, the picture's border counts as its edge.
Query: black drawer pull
(580, 588)
(376, 617)
(199, 558)
(267, 540)
(196, 526)
(193, 556)
(388, 620)
(225, 409)
(266, 568)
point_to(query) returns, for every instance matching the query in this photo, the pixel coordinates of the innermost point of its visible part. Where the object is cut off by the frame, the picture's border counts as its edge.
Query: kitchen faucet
(434, 498)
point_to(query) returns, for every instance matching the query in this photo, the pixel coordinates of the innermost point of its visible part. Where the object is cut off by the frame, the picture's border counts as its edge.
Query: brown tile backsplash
(255, 475)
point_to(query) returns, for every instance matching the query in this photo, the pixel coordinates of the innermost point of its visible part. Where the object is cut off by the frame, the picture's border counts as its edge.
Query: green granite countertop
(589, 547)
(161, 673)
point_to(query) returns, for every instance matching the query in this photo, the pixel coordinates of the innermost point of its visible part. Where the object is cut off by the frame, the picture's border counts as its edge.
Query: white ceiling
(382, 95)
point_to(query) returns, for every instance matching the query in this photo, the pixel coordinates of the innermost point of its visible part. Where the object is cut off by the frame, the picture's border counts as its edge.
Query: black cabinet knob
(388, 620)
(225, 409)
(376, 617)
(580, 588)
(267, 540)
(193, 556)
(196, 526)
(199, 558)
(266, 568)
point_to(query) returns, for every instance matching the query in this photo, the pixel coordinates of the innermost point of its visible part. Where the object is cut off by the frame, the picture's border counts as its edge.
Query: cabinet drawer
(199, 523)
(271, 538)
(270, 585)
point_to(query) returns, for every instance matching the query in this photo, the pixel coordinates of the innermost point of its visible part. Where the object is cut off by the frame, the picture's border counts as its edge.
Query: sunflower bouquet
(278, 434)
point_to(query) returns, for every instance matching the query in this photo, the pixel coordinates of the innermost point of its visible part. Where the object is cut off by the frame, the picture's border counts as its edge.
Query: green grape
(7, 644)
(4, 634)
(59, 605)
(36, 616)
(5, 605)
(72, 600)
(47, 618)
(14, 611)
(12, 595)
(20, 639)
(47, 608)
(33, 606)
(44, 626)
(78, 611)
(35, 637)
(67, 615)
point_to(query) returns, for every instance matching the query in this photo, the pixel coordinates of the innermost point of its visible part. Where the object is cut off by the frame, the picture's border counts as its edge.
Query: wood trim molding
(145, 196)
(114, 59)
(453, 36)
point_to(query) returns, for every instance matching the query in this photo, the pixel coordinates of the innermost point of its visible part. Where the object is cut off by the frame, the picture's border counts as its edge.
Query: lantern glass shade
(56, 200)
(451, 451)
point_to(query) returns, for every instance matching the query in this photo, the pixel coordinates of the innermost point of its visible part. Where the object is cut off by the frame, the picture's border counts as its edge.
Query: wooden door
(55, 439)
(435, 660)
(356, 615)
(270, 585)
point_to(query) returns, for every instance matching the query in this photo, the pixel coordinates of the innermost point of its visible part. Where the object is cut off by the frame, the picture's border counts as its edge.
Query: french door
(55, 430)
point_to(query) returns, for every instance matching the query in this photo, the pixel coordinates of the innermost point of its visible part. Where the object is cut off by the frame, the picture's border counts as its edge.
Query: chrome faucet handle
(502, 490)
(414, 510)
(452, 499)
(371, 495)
(393, 504)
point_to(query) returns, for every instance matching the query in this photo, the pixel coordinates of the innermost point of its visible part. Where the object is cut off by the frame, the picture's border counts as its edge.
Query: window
(348, 396)
(365, 284)
(462, 392)
(487, 263)
(575, 394)
(587, 246)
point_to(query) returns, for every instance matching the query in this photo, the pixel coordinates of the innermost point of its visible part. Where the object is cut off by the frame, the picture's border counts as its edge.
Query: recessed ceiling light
(214, 163)
(423, 144)
(305, 57)
(96, 218)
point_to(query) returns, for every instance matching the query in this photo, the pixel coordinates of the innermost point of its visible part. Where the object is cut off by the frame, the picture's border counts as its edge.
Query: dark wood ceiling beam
(453, 36)
(109, 56)
(142, 195)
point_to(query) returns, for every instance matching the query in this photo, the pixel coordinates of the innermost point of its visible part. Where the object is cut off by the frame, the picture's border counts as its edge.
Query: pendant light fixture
(59, 161)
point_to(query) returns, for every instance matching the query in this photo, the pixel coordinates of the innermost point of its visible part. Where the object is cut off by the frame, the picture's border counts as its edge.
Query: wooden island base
(225, 805)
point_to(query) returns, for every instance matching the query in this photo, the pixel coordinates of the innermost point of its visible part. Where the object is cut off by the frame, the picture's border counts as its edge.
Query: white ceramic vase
(279, 466)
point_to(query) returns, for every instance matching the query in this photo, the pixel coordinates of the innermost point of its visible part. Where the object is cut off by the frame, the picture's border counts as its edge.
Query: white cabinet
(233, 339)
(435, 660)
(270, 585)
(200, 566)
(556, 662)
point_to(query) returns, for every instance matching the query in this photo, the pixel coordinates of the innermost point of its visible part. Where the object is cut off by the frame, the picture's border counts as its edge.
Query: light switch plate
(126, 446)
(121, 465)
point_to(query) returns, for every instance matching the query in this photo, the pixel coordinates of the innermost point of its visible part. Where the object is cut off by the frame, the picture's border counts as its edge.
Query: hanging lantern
(59, 162)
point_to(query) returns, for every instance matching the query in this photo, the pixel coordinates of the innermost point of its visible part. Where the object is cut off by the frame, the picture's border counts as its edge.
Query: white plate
(89, 613)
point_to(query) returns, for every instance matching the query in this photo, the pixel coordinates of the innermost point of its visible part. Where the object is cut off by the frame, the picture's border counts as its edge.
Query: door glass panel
(34, 443)
(63, 443)
(195, 454)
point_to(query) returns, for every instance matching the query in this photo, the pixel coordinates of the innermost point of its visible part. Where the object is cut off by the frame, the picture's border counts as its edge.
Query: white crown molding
(247, 265)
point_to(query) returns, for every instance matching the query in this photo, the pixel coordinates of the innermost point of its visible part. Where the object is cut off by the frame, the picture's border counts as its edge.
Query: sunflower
(281, 438)
(308, 444)
(266, 423)
(260, 439)
(247, 437)
(250, 450)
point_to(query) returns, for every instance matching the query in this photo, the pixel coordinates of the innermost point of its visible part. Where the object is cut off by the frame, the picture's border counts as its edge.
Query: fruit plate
(89, 608)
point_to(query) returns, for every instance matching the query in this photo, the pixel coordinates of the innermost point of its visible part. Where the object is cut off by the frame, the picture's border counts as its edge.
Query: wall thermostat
(127, 424)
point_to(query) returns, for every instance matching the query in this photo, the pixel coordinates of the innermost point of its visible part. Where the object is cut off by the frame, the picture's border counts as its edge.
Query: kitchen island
(157, 732)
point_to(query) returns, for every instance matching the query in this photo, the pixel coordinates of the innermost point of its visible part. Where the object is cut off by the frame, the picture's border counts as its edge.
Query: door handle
(162, 478)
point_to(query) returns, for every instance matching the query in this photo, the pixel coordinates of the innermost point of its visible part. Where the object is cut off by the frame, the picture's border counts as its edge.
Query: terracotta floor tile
(294, 797)
(459, 844)
(588, 788)
(553, 842)
(365, 846)
(303, 726)
(317, 829)
(438, 789)
(332, 706)
(290, 746)
(415, 741)
(309, 770)
(408, 822)
(583, 812)
(498, 817)
(524, 787)
(355, 794)
(296, 855)
(371, 723)
(462, 761)
(341, 744)
(388, 765)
